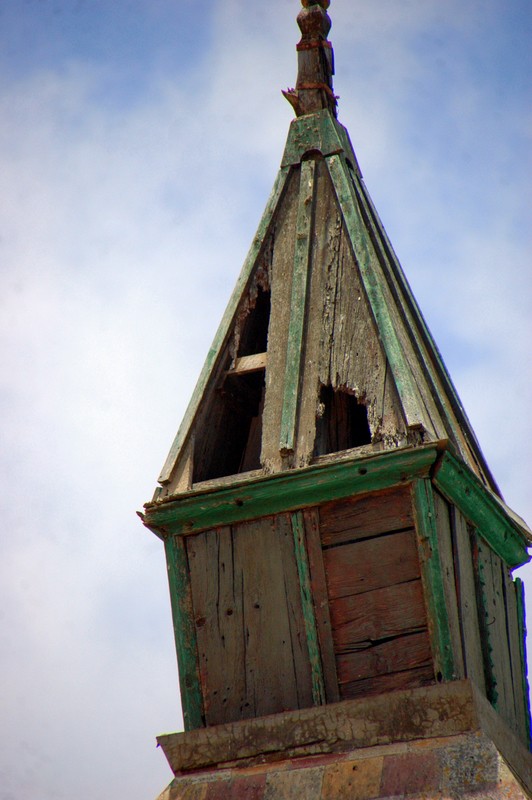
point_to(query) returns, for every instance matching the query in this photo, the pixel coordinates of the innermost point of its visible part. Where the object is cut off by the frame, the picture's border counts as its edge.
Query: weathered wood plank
(431, 574)
(371, 564)
(298, 304)
(516, 662)
(281, 275)
(253, 363)
(445, 547)
(408, 390)
(491, 578)
(224, 328)
(380, 614)
(401, 654)
(521, 616)
(307, 605)
(321, 604)
(481, 508)
(218, 617)
(466, 590)
(380, 684)
(289, 491)
(276, 660)
(362, 517)
(184, 633)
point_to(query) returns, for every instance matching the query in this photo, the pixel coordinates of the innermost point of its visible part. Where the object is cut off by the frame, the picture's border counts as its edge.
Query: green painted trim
(435, 361)
(318, 683)
(429, 556)
(319, 131)
(406, 386)
(521, 618)
(298, 304)
(225, 325)
(289, 491)
(184, 632)
(461, 486)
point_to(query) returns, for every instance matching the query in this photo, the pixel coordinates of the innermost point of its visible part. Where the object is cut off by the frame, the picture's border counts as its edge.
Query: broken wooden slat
(246, 364)
(225, 325)
(431, 573)
(184, 632)
(408, 391)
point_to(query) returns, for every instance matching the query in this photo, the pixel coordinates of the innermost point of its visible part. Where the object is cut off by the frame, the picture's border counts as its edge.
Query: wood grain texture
(249, 620)
(446, 551)
(342, 347)
(298, 304)
(466, 590)
(359, 621)
(516, 663)
(281, 272)
(399, 655)
(184, 632)
(493, 593)
(432, 577)
(380, 684)
(321, 604)
(359, 567)
(362, 517)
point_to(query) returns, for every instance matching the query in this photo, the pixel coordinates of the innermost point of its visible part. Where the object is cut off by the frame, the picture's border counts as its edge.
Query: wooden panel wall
(378, 615)
(502, 638)
(249, 621)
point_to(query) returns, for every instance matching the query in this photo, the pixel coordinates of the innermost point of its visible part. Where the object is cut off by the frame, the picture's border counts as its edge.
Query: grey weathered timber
(225, 325)
(466, 589)
(298, 304)
(445, 547)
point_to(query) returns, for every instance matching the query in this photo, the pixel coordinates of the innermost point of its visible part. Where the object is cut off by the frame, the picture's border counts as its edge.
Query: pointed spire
(314, 87)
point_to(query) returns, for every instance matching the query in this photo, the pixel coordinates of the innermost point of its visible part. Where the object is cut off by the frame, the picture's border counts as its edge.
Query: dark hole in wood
(254, 336)
(342, 423)
(233, 442)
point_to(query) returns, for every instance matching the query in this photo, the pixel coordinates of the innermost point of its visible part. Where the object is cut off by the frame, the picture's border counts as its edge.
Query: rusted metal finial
(314, 87)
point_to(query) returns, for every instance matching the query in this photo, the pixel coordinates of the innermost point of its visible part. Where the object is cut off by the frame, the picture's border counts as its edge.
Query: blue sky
(138, 145)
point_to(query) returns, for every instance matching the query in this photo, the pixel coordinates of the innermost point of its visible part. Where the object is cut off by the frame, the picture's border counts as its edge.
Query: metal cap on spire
(314, 87)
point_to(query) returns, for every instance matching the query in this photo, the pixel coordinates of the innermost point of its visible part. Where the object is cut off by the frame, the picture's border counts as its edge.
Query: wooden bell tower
(339, 555)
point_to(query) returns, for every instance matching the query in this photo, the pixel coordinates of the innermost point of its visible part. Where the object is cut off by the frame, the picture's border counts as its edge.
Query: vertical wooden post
(184, 632)
(432, 577)
(298, 305)
(318, 685)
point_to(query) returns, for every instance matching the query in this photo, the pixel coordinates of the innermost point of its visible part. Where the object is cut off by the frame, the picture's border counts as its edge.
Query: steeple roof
(322, 348)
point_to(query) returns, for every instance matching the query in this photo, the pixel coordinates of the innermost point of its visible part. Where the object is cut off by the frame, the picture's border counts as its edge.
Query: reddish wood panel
(371, 564)
(362, 517)
(381, 614)
(397, 655)
(380, 684)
